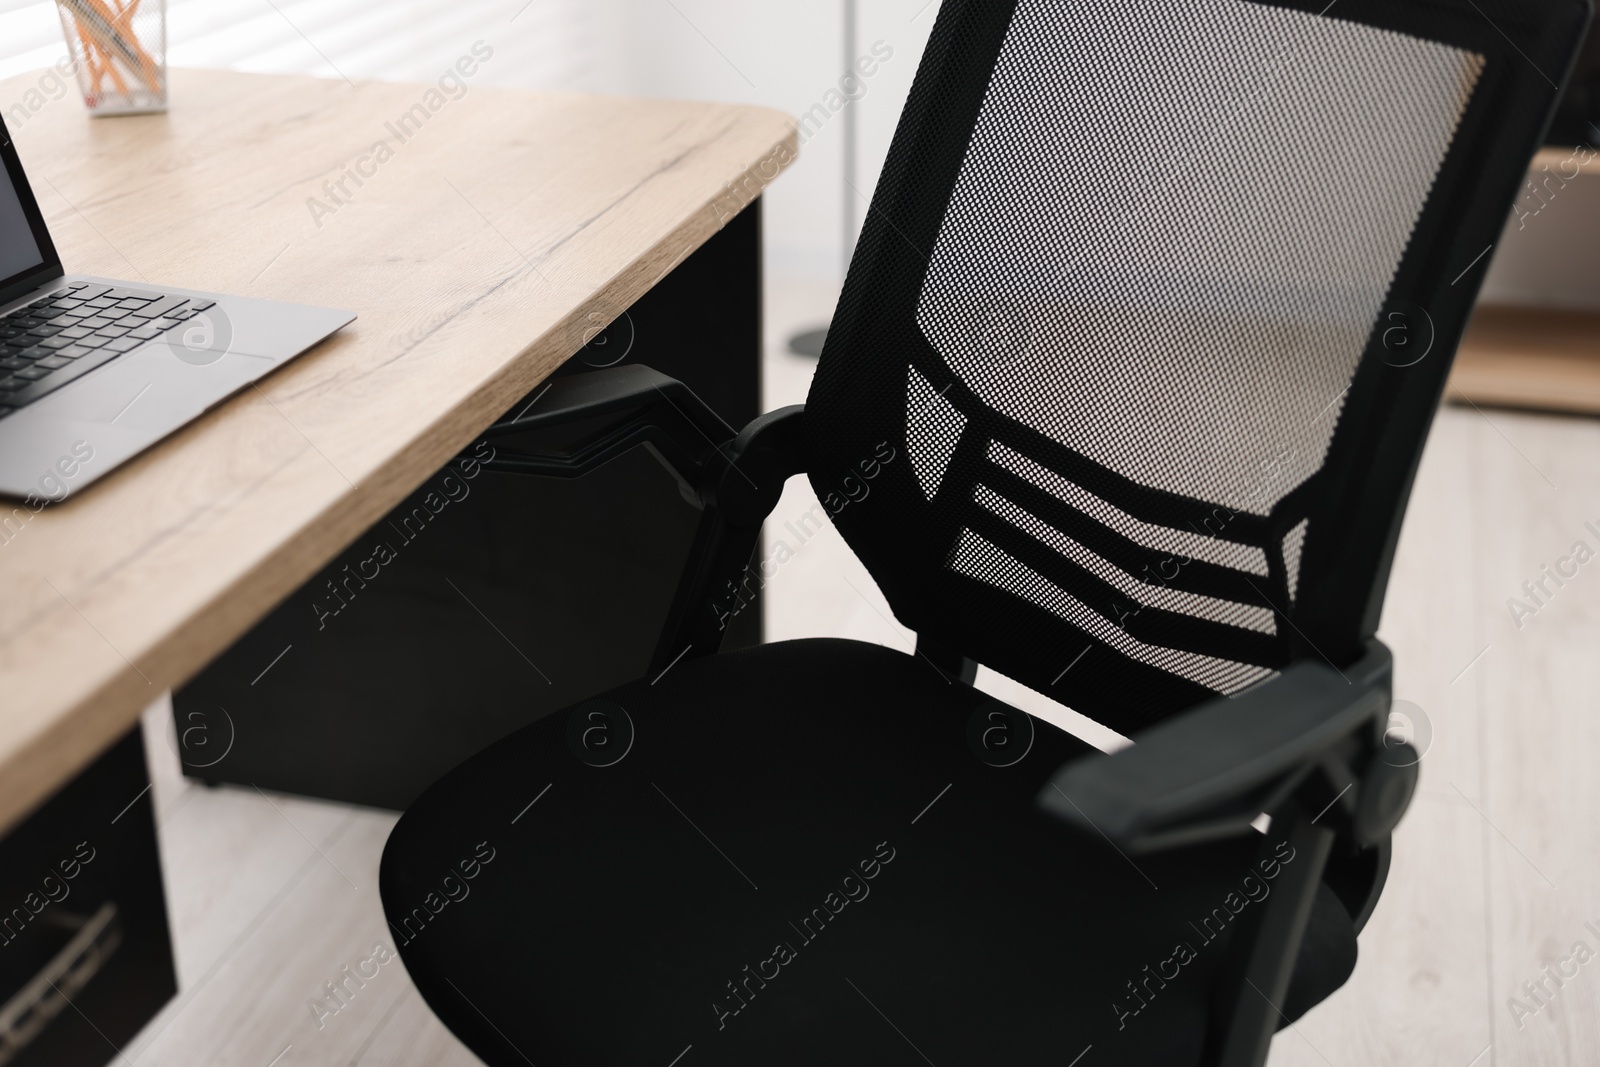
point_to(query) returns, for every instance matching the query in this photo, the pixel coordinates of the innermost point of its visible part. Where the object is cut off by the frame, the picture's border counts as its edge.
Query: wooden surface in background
(1562, 160)
(480, 251)
(1539, 358)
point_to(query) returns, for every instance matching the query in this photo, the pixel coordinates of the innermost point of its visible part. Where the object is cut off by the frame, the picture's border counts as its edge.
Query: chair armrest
(1213, 770)
(735, 478)
(605, 413)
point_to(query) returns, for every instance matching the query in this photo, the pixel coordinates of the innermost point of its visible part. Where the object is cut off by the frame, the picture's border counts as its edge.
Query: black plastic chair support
(735, 478)
(741, 491)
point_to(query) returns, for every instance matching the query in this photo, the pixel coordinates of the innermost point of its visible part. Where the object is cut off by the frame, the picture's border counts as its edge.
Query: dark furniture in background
(1124, 398)
(491, 597)
(1577, 119)
(85, 958)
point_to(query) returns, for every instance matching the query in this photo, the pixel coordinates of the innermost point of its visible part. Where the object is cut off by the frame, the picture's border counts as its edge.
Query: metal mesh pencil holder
(119, 49)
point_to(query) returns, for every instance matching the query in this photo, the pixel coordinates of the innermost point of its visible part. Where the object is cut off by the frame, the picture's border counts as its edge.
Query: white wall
(1549, 254)
(779, 55)
(788, 56)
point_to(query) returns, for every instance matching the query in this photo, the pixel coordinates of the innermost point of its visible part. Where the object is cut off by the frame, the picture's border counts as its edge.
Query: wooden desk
(485, 249)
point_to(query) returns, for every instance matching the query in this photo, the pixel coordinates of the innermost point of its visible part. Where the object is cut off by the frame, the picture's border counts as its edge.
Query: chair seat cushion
(815, 852)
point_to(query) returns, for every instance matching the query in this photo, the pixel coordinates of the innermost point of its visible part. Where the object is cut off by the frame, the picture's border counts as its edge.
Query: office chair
(1124, 399)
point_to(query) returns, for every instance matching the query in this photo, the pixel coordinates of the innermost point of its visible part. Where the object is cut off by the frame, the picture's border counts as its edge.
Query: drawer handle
(46, 994)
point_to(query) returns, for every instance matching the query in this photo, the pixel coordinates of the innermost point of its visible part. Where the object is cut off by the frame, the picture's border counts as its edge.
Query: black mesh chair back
(1160, 298)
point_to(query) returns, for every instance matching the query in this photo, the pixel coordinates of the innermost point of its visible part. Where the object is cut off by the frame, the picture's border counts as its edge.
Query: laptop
(95, 370)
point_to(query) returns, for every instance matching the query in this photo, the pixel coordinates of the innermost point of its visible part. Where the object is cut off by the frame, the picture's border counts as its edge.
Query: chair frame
(1308, 748)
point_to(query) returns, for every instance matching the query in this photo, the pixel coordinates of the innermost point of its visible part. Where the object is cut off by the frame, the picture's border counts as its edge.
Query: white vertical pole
(809, 342)
(851, 129)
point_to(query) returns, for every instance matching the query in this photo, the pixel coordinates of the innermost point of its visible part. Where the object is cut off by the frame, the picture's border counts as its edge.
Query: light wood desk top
(480, 252)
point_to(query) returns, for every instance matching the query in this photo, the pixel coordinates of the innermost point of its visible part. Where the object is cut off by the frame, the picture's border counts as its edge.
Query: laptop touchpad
(161, 386)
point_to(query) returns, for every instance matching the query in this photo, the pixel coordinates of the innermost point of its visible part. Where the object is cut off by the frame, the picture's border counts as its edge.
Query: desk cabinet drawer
(85, 956)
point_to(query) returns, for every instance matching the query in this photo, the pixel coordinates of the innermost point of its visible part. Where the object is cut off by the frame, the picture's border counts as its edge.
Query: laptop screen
(19, 252)
(25, 246)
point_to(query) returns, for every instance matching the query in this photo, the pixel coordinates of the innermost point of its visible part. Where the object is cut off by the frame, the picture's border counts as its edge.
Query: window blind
(546, 44)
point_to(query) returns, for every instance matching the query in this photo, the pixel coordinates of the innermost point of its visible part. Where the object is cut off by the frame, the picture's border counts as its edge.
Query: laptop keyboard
(69, 333)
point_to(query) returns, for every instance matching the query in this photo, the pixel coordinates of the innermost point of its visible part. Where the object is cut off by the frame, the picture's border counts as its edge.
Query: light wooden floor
(1497, 868)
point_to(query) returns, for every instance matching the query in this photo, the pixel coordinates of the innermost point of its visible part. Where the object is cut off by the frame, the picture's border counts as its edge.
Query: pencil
(118, 21)
(90, 60)
(108, 41)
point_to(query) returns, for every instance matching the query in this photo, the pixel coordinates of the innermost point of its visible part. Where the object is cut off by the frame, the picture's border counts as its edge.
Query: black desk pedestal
(85, 954)
(487, 600)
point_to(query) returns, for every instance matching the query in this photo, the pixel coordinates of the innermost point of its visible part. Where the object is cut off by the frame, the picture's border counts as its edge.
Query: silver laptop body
(95, 370)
